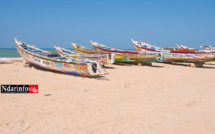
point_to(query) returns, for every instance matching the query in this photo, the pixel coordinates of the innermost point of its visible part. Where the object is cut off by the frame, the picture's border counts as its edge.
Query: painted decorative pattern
(68, 66)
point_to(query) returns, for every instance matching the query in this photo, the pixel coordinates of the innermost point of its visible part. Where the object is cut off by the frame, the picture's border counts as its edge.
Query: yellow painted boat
(83, 50)
(119, 57)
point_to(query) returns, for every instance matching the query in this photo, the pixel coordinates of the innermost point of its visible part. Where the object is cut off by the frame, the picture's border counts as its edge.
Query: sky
(45, 23)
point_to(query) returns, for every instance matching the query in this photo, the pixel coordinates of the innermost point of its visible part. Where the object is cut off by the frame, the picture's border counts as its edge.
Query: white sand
(164, 99)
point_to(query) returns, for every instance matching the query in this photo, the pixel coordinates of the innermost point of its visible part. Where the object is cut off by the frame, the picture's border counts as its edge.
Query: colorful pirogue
(83, 50)
(207, 48)
(126, 55)
(117, 57)
(143, 46)
(103, 58)
(51, 61)
(178, 54)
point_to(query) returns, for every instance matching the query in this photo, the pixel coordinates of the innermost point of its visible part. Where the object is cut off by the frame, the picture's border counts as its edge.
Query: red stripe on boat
(148, 49)
(172, 51)
(130, 52)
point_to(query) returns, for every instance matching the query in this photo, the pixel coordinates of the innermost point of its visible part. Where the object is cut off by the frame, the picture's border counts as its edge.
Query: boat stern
(96, 69)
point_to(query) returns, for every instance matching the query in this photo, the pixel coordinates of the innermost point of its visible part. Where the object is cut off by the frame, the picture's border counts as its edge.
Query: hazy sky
(45, 23)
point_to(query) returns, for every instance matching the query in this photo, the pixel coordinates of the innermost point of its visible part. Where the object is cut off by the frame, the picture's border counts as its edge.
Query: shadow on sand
(156, 66)
(108, 67)
(124, 64)
(137, 64)
(206, 67)
(209, 63)
(176, 64)
(186, 65)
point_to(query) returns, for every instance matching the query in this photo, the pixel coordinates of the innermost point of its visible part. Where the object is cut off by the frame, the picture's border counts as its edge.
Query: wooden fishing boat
(126, 55)
(188, 58)
(207, 47)
(102, 58)
(181, 49)
(182, 54)
(104, 48)
(143, 46)
(83, 50)
(117, 57)
(135, 58)
(54, 62)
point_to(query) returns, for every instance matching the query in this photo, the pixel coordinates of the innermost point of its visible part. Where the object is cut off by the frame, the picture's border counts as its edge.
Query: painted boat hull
(181, 55)
(136, 58)
(104, 59)
(69, 66)
(126, 56)
(83, 50)
(140, 48)
(188, 58)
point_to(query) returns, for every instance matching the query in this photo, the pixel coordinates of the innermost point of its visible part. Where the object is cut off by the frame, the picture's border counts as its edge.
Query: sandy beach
(161, 99)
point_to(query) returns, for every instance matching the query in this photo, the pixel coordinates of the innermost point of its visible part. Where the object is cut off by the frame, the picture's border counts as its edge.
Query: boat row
(178, 53)
(90, 62)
